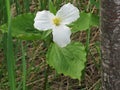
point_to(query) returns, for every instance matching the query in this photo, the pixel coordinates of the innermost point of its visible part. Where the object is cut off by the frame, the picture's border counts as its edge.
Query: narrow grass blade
(88, 40)
(26, 5)
(23, 67)
(10, 53)
(43, 4)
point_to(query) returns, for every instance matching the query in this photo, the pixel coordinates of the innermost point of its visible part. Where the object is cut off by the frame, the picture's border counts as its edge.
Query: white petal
(68, 13)
(43, 20)
(61, 35)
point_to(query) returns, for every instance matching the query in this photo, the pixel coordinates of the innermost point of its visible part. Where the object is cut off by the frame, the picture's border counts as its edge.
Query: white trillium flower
(45, 20)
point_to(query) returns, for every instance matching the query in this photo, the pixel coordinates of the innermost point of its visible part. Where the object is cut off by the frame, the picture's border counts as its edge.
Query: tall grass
(23, 67)
(26, 4)
(10, 53)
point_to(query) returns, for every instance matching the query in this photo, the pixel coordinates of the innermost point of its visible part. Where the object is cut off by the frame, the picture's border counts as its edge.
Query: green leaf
(22, 27)
(52, 7)
(46, 34)
(86, 21)
(94, 20)
(69, 60)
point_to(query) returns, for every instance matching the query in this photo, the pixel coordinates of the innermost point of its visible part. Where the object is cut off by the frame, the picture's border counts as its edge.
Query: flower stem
(88, 40)
(46, 78)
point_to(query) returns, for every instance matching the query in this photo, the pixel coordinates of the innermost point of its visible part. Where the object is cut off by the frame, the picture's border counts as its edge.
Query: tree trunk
(110, 38)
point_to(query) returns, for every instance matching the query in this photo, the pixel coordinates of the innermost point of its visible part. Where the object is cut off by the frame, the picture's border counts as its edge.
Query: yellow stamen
(56, 21)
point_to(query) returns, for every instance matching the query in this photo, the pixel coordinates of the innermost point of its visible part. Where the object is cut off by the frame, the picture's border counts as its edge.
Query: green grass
(10, 53)
(23, 67)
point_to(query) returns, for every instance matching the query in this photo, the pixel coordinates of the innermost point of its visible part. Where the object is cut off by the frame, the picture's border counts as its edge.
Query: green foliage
(95, 3)
(10, 51)
(52, 7)
(22, 27)
(86, 21)
(69, 60)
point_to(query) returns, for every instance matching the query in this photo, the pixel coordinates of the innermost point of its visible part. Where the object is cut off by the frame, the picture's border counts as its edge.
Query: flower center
(56, 21)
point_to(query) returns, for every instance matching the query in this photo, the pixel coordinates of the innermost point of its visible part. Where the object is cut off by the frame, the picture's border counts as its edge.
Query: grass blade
(26, 5)
(10, 53)
(23, 67)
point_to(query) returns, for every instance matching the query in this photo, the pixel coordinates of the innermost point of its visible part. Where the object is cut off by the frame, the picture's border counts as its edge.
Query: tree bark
(110, 39)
